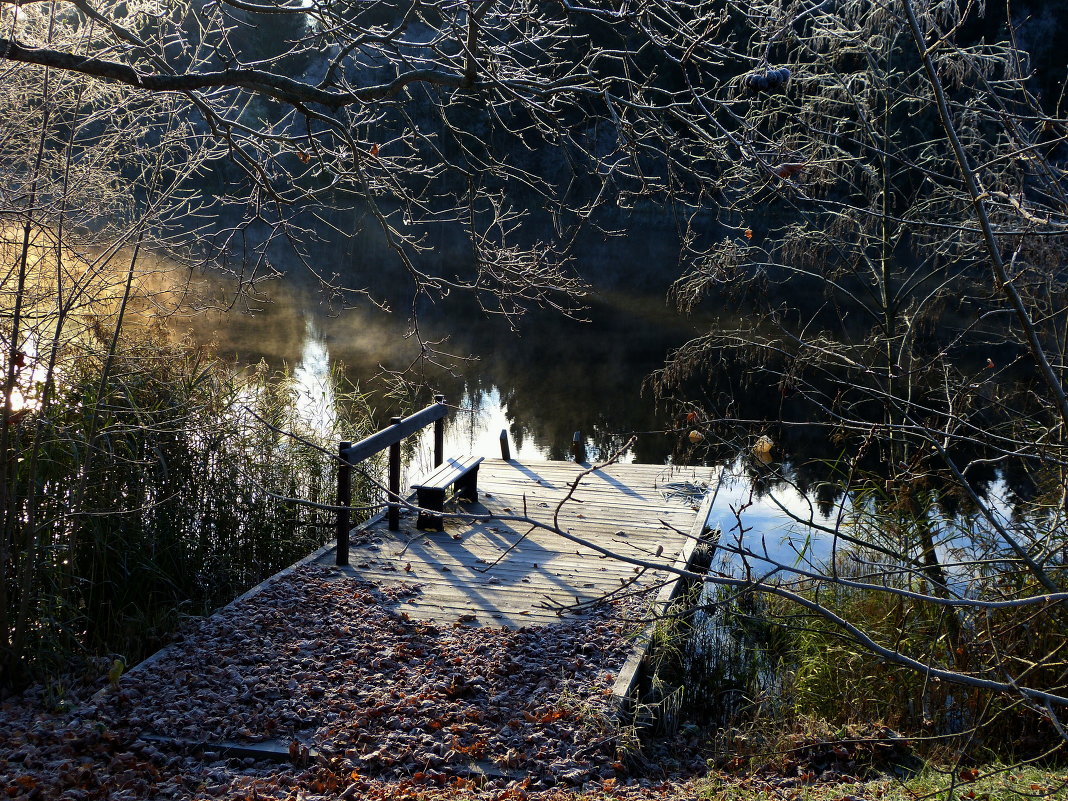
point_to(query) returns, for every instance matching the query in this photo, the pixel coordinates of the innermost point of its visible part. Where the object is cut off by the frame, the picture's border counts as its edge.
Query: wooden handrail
(391, 437)
(394, 433)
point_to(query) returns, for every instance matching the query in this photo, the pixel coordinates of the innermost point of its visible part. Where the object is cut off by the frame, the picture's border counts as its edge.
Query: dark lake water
(541, 381)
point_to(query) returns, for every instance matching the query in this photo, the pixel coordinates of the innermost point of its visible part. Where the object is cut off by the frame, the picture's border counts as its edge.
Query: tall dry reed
(164, 492)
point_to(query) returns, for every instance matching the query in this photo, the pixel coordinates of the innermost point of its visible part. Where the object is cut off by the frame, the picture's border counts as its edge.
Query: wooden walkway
(497, 572)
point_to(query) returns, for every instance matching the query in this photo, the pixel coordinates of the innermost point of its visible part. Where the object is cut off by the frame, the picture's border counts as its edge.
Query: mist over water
(541, 383)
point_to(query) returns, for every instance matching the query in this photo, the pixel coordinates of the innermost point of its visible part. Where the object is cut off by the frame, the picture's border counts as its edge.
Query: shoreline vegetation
(147, 480)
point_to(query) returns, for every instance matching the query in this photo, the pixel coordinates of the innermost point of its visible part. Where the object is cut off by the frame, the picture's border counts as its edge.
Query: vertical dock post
(344, 500)
(506, 453)
(578, 447)
(439, 436)
(394, 481)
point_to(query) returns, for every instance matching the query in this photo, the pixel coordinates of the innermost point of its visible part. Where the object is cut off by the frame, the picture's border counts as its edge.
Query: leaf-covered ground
(64, 756)
(389, 708)
(332, 666)
(329, 663)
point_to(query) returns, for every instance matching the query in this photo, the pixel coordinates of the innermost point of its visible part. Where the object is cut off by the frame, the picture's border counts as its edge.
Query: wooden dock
(484, 569)
(503, 572)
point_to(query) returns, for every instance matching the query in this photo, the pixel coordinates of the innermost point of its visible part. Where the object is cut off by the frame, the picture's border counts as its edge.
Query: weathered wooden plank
(421, 570)
(603, 524)
(530, 547)
(530, 561)
(466, 585)
(514, 602)
(622, 509)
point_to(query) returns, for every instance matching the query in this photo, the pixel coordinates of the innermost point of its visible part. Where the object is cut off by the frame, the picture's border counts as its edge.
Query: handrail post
(394, 481)
(344, 500)
(439, 436)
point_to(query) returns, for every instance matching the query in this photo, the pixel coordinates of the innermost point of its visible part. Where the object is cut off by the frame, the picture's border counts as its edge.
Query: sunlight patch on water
(30, 374)
(474, 427)
(770, 522)
(312, 380)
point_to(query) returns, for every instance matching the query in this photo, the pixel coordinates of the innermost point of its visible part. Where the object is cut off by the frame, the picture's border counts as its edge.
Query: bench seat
(430, 491)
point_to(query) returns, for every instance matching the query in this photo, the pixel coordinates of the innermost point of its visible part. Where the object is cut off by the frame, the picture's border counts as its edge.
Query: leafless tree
(423, 113)
(900, 203)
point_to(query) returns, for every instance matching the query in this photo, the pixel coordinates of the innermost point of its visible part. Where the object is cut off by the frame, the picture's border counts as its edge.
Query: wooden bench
(430, 491)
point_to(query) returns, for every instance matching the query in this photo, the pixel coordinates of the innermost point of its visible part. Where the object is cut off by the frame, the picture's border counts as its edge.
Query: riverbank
(50, 754)
(389, 713)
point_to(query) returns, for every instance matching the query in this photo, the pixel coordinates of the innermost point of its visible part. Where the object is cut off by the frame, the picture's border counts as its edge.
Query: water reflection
(312, 381)
(540, 384)
(775, 525)
(476, 426)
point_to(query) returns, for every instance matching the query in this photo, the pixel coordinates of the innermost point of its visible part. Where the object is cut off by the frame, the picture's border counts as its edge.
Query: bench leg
(433, 501)
(467, 486)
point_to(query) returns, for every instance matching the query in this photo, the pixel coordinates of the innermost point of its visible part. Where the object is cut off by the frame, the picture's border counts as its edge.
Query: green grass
(993, 782)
